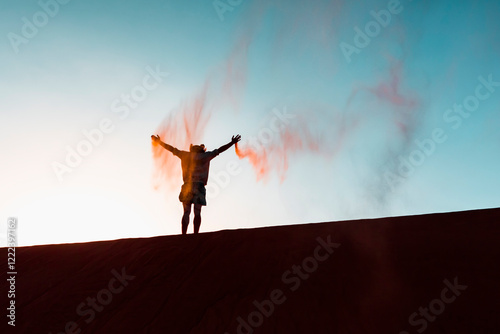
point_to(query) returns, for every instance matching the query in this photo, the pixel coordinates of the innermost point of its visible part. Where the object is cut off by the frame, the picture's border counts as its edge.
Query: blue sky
(365, 114)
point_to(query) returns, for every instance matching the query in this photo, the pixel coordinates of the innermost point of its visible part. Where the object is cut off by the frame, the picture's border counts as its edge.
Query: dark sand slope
(442, 270)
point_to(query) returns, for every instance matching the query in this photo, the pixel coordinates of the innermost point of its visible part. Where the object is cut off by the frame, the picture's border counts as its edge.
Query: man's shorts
(193, 192)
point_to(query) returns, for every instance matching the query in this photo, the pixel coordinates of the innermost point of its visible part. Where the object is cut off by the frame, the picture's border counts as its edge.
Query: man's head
(197, 148)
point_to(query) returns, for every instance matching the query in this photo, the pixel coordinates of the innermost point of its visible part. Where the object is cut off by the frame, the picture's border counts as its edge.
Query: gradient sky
(364, 115)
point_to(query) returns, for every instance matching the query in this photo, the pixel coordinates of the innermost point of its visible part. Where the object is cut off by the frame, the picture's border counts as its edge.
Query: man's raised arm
(156, 139)
(233, 141)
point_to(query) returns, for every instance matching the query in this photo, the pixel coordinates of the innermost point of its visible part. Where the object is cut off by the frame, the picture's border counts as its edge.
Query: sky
(347, 110)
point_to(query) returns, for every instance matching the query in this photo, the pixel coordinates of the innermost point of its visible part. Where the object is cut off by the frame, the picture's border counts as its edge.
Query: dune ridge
(433, 273)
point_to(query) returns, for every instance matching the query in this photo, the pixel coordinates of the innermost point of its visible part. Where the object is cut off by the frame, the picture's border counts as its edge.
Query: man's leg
(197, 218)
(185, 217)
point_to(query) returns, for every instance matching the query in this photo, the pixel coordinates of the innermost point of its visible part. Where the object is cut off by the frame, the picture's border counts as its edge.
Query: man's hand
(155, 139)
(235, 139)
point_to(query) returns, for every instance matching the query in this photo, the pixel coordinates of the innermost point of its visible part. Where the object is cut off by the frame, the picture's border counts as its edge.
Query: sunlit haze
(346, 110)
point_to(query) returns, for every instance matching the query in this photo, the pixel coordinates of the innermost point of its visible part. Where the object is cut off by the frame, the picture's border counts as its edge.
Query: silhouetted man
(195, 166)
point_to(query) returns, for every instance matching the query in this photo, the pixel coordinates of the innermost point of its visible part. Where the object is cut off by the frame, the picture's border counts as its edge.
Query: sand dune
(436, 273)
